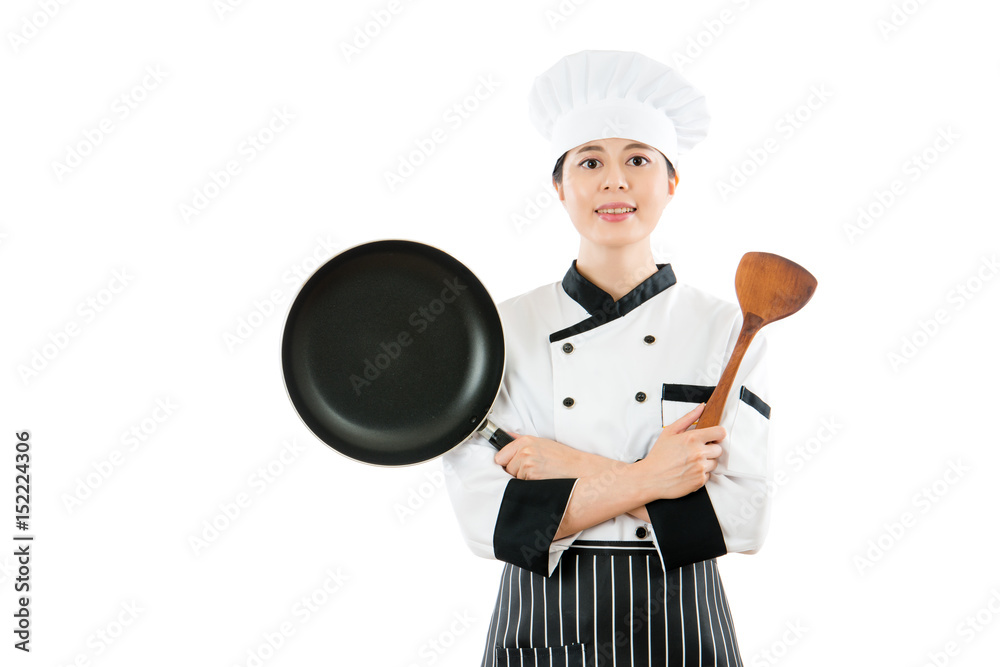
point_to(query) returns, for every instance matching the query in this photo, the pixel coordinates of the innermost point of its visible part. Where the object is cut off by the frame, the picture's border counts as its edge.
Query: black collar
(601, 306)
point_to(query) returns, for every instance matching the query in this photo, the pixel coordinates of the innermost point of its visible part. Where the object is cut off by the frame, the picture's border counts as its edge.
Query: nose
(614, 177)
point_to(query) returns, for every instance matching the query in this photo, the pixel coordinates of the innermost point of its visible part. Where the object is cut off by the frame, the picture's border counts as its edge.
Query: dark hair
(557, 170)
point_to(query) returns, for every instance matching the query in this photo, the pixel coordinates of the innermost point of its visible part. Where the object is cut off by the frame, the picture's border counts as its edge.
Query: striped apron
(610, 604)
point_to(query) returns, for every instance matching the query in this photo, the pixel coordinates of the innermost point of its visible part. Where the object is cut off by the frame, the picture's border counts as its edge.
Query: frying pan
(393, 353)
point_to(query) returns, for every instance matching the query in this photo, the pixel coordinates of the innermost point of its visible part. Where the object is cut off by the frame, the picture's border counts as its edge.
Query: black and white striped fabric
(611, 604)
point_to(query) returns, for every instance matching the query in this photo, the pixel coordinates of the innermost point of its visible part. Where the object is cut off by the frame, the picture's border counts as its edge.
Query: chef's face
(623, 172)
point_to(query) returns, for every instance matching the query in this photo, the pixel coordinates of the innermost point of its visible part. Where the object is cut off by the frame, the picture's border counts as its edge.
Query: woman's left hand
(531, 457)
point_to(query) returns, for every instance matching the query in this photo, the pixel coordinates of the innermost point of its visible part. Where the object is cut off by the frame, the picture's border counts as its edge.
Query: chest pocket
(745, 450)
(676, 400)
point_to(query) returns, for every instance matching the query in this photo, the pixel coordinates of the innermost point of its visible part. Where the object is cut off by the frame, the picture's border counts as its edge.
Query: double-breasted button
(649, 340)
(641, 396)
(641, 532)
(568, 401)
(567, 347)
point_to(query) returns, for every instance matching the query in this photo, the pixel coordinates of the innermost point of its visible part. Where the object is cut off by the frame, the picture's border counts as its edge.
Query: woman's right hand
(680, 460)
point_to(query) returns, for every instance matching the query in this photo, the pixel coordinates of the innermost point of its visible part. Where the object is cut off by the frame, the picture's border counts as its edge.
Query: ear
(559, 190)
(673, 182)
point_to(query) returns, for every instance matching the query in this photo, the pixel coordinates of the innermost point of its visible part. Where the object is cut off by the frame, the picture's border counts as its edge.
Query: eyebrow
(601, 150)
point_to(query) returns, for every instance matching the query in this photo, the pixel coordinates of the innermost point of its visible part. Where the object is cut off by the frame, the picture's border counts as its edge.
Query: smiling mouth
(615, 211)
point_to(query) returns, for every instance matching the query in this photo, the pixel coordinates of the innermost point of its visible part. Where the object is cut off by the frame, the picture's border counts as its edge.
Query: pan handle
(496, 435)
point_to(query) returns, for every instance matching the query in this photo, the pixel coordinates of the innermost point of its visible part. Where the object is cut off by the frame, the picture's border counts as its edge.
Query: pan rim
(284, 331)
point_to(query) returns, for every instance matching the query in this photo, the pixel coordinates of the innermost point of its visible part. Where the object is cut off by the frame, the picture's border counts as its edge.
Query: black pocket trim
(699, 393)
(755, 401)
(688, 393)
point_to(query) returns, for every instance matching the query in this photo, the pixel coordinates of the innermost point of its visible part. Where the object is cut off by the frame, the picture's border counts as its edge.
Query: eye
(639, 157)
(588, 161)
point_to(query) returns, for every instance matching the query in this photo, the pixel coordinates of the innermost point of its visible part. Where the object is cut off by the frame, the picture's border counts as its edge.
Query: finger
(506, 453)
(712, 434)
(684, 421)
(513, 466)
(713, 451)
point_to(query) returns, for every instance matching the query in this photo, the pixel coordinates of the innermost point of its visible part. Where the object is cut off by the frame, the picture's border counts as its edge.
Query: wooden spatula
(769, 288)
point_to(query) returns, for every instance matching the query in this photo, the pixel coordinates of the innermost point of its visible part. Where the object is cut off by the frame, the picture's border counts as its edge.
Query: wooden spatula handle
(712, 415)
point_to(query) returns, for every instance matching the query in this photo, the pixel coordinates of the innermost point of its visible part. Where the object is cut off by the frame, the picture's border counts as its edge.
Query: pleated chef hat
(603, 94)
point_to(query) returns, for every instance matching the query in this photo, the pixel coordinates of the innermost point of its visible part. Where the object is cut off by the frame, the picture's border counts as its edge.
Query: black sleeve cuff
(529, 517)
(687, 530)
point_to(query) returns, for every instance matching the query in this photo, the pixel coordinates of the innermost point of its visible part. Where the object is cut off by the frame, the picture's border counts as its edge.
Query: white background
(868, 569)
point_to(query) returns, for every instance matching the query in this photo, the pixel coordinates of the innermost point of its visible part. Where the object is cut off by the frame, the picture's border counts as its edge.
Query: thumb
(684, 422)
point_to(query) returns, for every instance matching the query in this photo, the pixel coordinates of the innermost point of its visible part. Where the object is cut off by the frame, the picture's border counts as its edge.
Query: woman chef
(607, 510)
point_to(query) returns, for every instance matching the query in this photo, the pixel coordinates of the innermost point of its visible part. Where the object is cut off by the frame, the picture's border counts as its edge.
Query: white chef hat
(603, 94)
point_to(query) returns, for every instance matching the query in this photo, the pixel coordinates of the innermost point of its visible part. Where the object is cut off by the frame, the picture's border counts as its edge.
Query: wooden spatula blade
(772, 287)
(769, 287)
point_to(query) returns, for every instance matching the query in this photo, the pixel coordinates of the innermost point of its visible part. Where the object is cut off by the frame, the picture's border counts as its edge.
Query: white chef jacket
(605, 377)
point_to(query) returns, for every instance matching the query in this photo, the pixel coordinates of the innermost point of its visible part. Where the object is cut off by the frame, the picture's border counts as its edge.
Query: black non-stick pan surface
(393, 352)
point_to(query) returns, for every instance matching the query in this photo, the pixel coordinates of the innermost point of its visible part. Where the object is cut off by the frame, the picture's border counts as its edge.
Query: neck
(616, 270)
